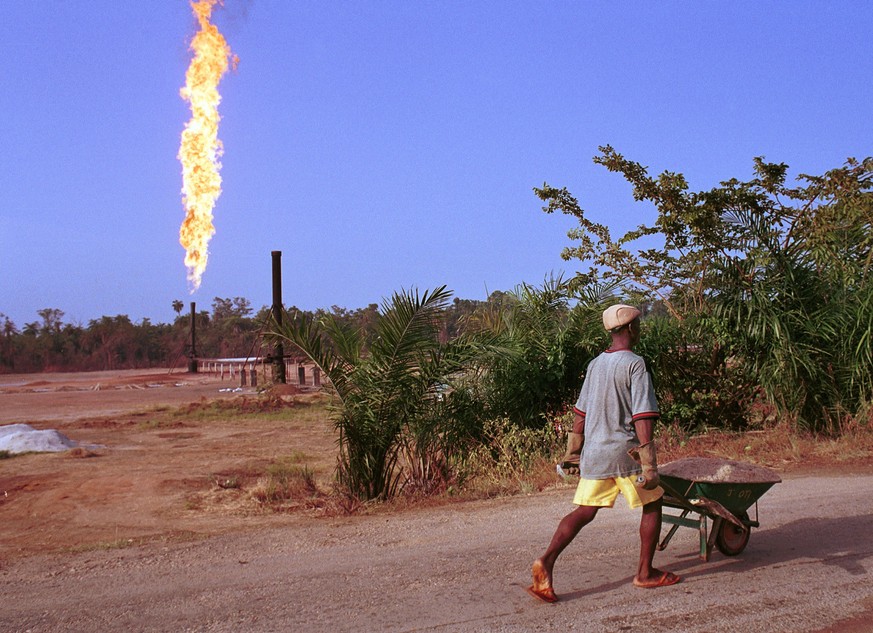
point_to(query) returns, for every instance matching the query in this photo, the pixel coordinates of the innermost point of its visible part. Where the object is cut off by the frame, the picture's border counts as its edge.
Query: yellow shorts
(603, 492)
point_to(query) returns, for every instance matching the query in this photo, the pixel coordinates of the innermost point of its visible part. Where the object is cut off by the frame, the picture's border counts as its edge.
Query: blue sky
(389, 144)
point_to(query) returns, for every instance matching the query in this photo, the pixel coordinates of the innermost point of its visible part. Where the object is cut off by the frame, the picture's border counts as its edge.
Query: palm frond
(308, 335)
(408, 322)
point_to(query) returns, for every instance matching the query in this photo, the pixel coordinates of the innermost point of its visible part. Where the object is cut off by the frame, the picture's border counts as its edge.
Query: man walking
(615, 418)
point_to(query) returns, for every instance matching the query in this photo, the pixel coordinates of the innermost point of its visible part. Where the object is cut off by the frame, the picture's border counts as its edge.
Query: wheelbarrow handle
(667, 488)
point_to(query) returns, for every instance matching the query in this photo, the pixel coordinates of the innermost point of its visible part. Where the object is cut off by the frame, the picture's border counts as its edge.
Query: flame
(200, 148)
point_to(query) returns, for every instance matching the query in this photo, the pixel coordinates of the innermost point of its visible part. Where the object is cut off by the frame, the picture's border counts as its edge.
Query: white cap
(619, 315)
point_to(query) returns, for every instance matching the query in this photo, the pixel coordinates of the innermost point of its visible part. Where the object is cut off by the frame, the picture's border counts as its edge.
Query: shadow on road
(843, 542)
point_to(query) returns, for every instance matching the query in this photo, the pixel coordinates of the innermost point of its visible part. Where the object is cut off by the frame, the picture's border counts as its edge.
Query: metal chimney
(192, 351)
(278, 351)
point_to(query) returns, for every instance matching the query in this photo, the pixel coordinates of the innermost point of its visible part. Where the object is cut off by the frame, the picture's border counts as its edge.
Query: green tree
(52, 320)
(7, 345)
(108, 342)
(773, 280)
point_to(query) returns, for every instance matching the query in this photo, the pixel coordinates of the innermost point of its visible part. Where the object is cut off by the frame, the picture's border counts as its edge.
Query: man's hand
(645, 455)
(570, 464)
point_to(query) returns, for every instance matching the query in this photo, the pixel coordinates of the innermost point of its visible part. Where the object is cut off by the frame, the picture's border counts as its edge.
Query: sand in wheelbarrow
(719, 471)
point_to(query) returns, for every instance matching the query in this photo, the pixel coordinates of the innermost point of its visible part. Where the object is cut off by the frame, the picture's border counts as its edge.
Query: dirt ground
(135, 481)
(139, 533)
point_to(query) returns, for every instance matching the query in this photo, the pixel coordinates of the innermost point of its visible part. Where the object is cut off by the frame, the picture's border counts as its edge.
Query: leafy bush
(696, 385)
(510, 458)
(548, 336)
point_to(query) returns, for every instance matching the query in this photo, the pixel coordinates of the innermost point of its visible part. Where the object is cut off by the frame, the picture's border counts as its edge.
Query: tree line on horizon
(230, 329)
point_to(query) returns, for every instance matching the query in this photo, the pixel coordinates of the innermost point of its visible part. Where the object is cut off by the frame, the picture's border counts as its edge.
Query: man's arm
(645, 453)
(575, 440)
(579, 423)
(645, 428)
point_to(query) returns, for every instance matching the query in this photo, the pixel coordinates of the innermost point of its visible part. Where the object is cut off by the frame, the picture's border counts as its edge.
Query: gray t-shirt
(617, 390)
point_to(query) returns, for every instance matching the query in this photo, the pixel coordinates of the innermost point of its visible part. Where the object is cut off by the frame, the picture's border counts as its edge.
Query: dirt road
(463, 568)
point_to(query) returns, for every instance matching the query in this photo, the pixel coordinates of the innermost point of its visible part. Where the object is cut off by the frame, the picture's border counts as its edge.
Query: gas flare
(200, 148)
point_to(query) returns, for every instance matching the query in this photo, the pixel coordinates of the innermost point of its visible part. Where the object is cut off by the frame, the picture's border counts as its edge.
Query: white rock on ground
(23, 438)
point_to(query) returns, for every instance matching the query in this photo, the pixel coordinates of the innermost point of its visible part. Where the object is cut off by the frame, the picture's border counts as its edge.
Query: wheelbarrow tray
(718, 489)
(735, 497)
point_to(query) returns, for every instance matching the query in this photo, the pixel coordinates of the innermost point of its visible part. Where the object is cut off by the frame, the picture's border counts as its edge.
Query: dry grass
(286, 479)
(302, 481)
(175, 536)
(80, 452)
(777, 446)
(265, 403)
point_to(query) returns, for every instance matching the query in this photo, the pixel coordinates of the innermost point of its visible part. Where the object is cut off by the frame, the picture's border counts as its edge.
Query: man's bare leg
(567, 530)
(650, 529)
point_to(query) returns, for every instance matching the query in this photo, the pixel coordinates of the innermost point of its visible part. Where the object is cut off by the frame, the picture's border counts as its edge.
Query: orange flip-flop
(546, 595)
(542, 583)
(666, 579)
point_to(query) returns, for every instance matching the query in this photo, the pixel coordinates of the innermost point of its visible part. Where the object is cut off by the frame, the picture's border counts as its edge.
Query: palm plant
(547, 342)
(396, 411)
(797, 299)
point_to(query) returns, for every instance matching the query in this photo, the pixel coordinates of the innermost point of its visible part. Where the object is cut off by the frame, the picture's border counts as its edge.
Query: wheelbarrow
(719, 490)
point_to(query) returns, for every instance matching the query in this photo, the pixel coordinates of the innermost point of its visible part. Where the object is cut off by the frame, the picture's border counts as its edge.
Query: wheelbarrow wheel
(732, 540)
